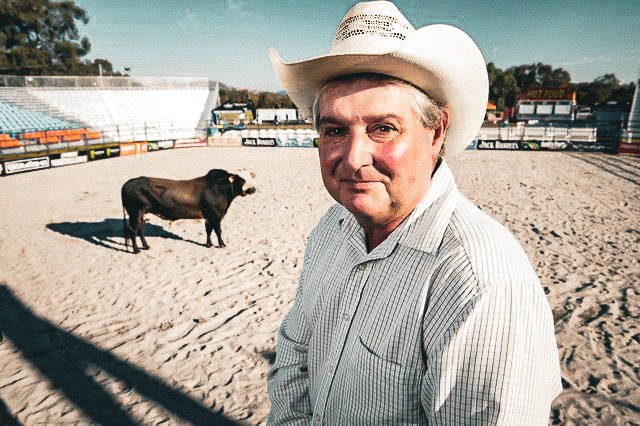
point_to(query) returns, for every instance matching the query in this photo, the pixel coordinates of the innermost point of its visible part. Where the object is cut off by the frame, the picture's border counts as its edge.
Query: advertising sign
(547, 93)
(26, 165)
(165, 144)
(65, 161)
(100, 153)
(259, 141)
(497, 145)
(136, 148)
(190, 143)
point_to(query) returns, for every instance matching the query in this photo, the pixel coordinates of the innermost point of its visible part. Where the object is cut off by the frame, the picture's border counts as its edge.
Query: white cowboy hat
(375, 37)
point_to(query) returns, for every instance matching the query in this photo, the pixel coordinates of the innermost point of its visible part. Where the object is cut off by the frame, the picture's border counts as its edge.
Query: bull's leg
(132, 234)
(145, 246)
(213, 225)
(216, 228)
(208, 227)
(133, 229)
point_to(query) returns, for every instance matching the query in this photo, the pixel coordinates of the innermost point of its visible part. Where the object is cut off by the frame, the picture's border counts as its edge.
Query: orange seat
(69, 137)
(9, 143)
(33, 135)
(50, 139)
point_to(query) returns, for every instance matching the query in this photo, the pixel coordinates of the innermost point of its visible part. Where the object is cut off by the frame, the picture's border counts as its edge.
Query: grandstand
(51, 115)
(124, 109)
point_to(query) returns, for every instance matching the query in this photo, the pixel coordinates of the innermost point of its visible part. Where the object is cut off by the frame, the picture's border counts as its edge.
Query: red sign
(547, 94)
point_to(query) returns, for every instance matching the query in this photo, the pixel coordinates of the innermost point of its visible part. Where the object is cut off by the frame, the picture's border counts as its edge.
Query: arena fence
(107, 82)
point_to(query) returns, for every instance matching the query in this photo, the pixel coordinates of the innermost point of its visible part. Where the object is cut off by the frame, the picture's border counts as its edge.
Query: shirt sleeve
(288, 380)
(497, 362)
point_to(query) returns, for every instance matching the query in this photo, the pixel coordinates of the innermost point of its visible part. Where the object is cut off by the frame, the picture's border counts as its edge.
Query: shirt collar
(424, 227)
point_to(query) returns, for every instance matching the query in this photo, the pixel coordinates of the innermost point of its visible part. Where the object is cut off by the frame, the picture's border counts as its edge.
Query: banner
(26, 165)
(136, 148)
(66, 161)
(259, 141)
(190, 143)
(594, 147)
(296, 140)
(100, 153)
(497, 145)
(547, 94)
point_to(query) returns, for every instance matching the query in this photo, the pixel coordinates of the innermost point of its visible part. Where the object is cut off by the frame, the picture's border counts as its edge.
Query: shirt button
(346, 317)
(316, 419)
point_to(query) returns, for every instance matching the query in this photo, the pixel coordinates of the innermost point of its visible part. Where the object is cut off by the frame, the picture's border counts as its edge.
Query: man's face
(376, 157)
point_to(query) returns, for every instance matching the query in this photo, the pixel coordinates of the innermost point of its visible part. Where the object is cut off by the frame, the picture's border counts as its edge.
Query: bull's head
(239, 186)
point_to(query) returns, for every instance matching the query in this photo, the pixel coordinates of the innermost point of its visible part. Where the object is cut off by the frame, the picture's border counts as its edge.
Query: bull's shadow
(66, 361)
(109, 233)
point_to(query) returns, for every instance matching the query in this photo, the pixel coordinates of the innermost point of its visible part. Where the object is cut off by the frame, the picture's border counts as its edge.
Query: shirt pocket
(384, 392)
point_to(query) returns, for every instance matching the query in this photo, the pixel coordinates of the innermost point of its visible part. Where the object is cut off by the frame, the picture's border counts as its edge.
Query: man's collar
(424, 228)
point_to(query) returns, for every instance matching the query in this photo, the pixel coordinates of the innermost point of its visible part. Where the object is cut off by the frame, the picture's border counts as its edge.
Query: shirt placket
(357, 280)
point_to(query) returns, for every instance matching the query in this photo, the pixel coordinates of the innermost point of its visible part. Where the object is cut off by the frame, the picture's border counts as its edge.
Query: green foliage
(505, 85)
(41, 37)
(260, 99)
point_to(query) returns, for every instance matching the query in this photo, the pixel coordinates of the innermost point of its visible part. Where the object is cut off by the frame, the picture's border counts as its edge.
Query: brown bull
(207, 197)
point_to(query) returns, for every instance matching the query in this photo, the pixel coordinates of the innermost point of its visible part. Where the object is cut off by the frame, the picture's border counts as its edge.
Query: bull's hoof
(136, 251)
(145, 247)
(223, 245)
(208, 245)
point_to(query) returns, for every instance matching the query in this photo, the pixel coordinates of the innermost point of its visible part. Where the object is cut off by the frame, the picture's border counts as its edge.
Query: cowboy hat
(375, 37)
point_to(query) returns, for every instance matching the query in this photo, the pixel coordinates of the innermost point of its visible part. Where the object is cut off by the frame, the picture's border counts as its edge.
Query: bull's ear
(231, 178)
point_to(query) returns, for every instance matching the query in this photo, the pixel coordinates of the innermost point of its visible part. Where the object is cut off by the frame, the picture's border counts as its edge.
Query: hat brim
(440, 59)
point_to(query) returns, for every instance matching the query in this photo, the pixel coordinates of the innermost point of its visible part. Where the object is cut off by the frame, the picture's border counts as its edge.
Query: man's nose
(358, 150)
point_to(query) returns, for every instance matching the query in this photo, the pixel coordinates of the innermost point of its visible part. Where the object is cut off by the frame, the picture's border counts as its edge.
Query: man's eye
(383, 131)
(333, 131)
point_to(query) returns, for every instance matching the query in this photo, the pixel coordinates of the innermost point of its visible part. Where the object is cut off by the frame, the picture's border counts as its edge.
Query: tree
(41, 37)
(541, 75)
(602, 89)
(503, 87)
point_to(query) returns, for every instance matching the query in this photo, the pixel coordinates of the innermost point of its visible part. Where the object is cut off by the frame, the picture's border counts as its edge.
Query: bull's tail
(125, 229)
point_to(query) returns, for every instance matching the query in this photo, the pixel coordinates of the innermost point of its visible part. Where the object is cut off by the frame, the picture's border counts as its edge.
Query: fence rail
(106, 82)
(538, 134)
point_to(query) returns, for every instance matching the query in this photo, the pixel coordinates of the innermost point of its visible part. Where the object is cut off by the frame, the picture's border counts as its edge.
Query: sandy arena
(182, 334)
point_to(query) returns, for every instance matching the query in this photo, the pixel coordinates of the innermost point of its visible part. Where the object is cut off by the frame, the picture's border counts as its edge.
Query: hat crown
(371, 27)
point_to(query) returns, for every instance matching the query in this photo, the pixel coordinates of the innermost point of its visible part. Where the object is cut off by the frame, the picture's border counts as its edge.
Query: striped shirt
(444, 323)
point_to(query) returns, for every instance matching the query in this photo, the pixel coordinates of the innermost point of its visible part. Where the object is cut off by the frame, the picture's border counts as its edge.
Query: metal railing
(106, 82)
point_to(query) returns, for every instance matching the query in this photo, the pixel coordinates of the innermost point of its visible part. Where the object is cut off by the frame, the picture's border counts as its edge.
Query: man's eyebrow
(334, 120)
(329, 120)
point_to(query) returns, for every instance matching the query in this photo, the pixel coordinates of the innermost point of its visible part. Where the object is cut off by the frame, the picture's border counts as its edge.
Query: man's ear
(440, 133)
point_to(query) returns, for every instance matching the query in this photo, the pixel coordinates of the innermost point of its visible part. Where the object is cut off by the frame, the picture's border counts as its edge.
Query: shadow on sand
(109, 233)
(65, 359)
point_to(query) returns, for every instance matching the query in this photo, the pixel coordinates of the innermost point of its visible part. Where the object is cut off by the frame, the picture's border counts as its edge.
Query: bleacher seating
(15, 119)
(131, 114)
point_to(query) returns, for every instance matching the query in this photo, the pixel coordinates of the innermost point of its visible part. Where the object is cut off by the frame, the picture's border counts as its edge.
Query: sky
(228, 40)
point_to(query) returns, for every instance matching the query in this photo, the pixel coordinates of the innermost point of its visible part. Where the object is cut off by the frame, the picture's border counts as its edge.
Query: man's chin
(362, 206)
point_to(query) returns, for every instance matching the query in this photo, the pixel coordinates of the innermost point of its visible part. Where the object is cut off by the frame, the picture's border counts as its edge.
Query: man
(414, 307)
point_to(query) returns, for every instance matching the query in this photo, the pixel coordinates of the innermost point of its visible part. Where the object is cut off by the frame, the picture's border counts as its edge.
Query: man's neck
(376, 234)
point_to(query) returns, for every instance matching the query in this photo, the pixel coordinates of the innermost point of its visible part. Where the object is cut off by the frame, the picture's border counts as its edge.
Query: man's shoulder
(485, 245)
